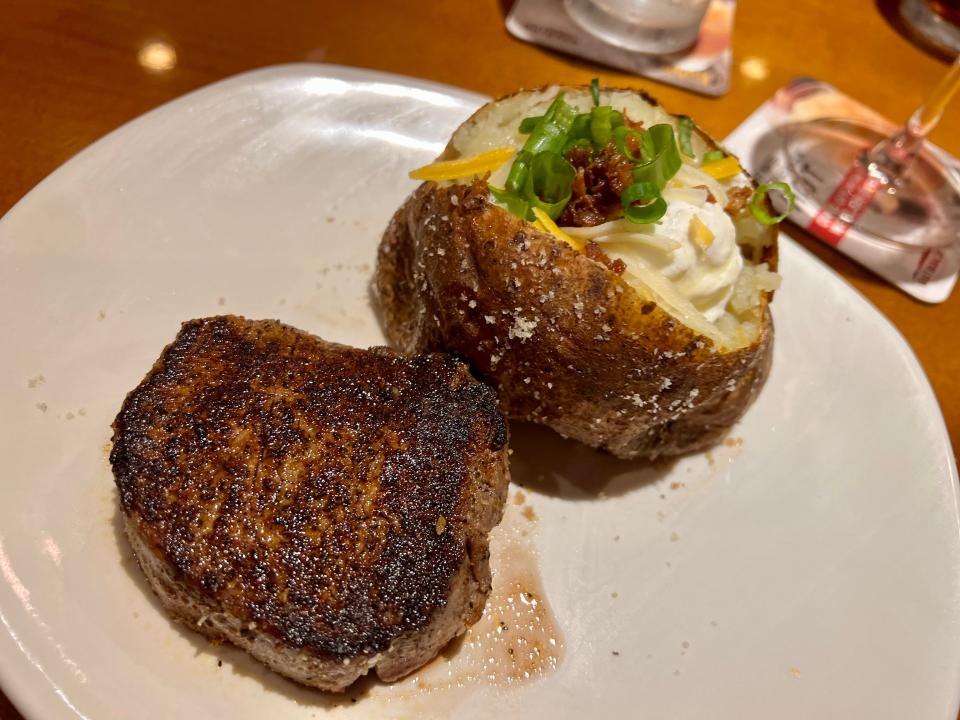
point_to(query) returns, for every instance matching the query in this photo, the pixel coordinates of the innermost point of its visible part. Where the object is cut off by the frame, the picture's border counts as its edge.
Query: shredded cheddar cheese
(464, 166)
(700, 233)
(551, 227)
(722, 169)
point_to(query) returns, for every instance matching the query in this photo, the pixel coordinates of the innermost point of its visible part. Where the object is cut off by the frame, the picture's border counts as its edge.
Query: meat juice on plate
(517, 639)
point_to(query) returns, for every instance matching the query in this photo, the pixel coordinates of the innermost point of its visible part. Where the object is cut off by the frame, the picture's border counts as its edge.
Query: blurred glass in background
(937, 21)
(646, 26)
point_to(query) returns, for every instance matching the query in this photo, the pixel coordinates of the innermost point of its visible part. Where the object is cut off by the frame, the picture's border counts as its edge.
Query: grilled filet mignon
(323, 507)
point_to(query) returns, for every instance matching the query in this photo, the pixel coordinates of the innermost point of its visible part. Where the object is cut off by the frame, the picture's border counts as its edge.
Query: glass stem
(890, 159)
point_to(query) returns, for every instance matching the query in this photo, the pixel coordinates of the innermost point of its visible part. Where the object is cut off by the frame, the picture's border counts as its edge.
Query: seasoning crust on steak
(323, 507)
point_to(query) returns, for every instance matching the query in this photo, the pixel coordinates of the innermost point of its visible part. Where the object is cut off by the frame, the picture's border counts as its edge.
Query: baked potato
(625, 305)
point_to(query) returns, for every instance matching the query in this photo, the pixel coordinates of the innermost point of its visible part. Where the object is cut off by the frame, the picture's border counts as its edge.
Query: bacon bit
(593, 251)
(617, 169)
(633, 144)
(579, 156)
(636, 125)
(737, 201)
(579, 186)
(710, 197)
(597, 186)
(582, 211)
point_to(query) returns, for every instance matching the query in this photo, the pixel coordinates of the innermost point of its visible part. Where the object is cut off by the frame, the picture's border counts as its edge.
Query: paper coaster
(928, 274)
(704, 69)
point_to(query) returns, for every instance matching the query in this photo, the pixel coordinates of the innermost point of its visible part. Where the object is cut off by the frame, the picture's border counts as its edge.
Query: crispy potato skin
(569, 343)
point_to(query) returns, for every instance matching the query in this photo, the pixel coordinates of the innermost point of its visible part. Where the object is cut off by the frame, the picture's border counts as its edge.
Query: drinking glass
(891, 187)
(647, 26)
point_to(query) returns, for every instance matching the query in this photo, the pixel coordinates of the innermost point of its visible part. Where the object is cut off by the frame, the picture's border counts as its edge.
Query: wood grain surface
(69, 74)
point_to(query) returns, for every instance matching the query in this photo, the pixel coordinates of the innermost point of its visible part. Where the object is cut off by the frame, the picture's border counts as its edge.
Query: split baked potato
(623, 303)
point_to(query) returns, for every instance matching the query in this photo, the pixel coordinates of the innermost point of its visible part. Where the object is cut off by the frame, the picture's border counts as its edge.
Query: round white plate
(805, 569)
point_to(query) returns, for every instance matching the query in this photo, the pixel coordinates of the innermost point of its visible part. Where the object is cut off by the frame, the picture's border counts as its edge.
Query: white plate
(809, 572)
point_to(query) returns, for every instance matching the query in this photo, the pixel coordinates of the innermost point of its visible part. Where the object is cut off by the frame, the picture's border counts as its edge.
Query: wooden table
(69, 74)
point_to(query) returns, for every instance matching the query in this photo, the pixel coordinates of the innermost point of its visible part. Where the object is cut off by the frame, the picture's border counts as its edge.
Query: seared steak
(323, 507)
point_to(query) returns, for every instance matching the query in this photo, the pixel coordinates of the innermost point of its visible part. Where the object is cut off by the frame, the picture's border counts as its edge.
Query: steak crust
(323, 507)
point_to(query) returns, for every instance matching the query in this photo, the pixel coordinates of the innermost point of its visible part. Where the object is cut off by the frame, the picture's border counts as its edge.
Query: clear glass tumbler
(646, 26)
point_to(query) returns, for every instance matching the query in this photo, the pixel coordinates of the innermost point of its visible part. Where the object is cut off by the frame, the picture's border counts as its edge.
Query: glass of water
(647, 26)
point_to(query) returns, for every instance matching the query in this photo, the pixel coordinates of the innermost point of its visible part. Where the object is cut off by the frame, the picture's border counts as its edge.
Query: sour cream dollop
(703, 263)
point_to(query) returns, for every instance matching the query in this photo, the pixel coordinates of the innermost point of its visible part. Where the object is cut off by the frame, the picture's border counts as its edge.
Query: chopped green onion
(514, 204)
(548, 183)
(550, 137)
(646, 214)
(652, 207)
(547, 134)
(758, 202)
(581, 127)
(639, 192)
(660, 155)
(595, 91)
(577, 143)
(601, 129)
(550, 133)
(529, 123)
(684, 132)
(621, 136)
(713, 156)
(603, 120)
(552, 175)
(519, 171)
